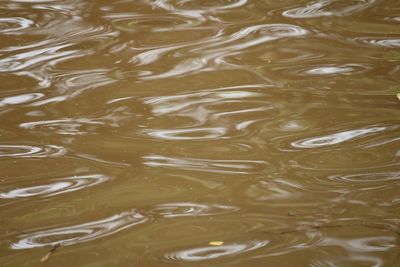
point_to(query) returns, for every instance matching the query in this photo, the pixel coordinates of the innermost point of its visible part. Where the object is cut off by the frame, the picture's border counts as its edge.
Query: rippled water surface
(200, 133)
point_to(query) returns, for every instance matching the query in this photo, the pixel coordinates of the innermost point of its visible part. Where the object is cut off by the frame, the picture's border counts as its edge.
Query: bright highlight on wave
(25, 151)
(80, 233)
(56, 187)
(206, 165)
(215, 252)
(337, 138)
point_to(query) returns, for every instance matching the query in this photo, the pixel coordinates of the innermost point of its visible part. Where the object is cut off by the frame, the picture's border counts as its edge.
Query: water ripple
(185, 209)
(213, 5)
(12, 25)
(230, 109)
(198, 134)
(66, 126)
(251, 36)
(380, 41)
(133, 23)
(85, 232)
(26, 151)
(75, 83)
(269, 125)
(211, 53)
(213, 252)
(56, 187)
(343, 69)
(345, 160)
(371, 177)
(362, 244)
(337, 138)
(29, 59)
(206, 165)
(182, 103)
(19, 99)
(327, 8)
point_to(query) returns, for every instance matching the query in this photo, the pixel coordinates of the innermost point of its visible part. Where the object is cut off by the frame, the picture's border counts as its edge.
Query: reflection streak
(25, 151)
(206, 165)
(211, 252)
(81, 232)
(336, 138)
(58, 186)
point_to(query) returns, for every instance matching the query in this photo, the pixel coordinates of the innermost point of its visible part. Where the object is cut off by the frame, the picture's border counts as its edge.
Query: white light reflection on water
(322, 8)
(25, 151)
(181, 104)
(189, 134)
(214, 252)
(220, 120)
(185, 209)
(66, 126)
(80, 233)
(206, 165)
(336, 138)
(12, 25)
(19, 99)
(56, 187)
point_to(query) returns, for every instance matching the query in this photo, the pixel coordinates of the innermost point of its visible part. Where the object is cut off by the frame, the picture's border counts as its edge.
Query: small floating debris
(398, 96)
(216, 243)
(47, 256)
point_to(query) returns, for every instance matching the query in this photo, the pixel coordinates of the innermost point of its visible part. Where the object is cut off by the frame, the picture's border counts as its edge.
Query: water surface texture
(200, 133)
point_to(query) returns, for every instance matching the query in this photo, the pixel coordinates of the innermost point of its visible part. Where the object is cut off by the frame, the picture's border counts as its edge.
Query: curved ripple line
(220, 6)
(13, 24)
(223, 47)
(380, 42)
(162, 105)
(19, 99)
(151, 56)
(74, 84)
(134, 22)
(267, 32)
(321, 9)
(328, 70)
(362, 244)
(272, 30)
(372, 177)
(200, 106)
(28, 59)
(337, 138)
(96, 159)
(81, 232)
(199, 134)
(25, 151)
(206, 165)
(213, 252)
(189, 209)
(68, 126)
(201, 12)
(57, 187)
(186, 66)
(163, 4)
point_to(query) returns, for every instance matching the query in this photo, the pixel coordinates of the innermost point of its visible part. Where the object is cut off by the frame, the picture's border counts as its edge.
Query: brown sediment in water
(227, 133)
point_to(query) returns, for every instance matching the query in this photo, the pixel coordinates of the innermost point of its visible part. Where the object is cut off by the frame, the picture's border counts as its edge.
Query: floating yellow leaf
(216, 243)
(398, 96)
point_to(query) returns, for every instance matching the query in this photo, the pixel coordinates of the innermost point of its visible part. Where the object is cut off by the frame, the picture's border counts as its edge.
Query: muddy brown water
(200, 133)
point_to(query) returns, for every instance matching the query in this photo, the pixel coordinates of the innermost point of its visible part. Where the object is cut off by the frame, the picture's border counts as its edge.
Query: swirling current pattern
(200, 133)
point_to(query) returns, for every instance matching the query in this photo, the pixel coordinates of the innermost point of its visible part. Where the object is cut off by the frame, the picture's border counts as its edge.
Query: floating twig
(52, 250)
